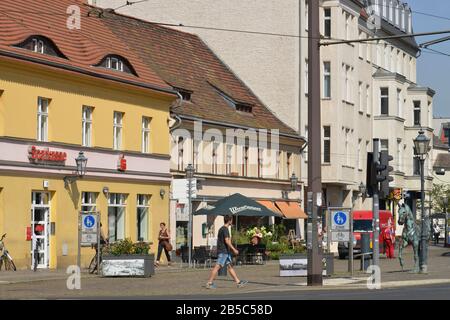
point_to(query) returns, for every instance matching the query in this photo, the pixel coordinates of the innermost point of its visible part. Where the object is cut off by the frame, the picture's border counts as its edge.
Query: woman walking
(163, 243)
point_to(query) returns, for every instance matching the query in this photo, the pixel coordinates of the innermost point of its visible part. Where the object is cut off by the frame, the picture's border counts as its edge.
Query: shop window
(143, 222)
(116, 216)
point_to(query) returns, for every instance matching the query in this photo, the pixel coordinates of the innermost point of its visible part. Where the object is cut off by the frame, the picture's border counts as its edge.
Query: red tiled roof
(84, 48)
(184, 61)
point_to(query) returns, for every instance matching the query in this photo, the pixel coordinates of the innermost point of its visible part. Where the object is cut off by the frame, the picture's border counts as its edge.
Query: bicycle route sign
(89, 229)
(340, 225)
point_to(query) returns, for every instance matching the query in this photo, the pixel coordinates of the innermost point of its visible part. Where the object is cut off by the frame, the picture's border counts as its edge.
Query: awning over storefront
(270, 205)
(291, 210)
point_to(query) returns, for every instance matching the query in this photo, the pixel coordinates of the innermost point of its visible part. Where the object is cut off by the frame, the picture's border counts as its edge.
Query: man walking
(224, 247)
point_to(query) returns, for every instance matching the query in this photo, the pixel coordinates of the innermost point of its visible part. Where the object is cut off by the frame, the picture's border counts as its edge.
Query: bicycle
(93, 264)
(5, 259)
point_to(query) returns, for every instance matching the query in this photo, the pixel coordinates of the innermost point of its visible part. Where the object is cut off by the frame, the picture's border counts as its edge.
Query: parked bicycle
(5, 259)
(93, 265)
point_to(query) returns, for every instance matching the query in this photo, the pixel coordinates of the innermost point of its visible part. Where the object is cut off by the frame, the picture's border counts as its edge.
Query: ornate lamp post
(190, 175)
(421, 145)
(81, 162)
(445, 203)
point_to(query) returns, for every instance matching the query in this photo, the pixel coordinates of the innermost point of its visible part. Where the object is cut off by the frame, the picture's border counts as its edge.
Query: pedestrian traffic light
(383, 175)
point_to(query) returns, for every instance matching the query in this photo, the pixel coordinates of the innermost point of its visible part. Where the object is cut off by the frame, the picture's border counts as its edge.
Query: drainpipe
(175, 116)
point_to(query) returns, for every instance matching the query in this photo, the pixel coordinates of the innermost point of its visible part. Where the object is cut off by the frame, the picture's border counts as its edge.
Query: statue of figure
(410, 234)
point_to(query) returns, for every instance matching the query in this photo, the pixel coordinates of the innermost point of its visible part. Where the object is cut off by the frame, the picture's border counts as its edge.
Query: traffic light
(371, 176)
(383, 175)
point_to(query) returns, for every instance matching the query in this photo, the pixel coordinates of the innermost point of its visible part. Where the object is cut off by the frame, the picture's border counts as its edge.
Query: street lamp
(421, 145)
(81, 162)
(445, 203)
(189, 175)
(294, 182)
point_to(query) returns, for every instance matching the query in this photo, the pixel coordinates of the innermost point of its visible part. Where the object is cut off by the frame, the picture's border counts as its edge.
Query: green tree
(438, 193)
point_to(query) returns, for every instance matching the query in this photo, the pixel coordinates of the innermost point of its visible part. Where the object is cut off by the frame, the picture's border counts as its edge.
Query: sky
(433, 70)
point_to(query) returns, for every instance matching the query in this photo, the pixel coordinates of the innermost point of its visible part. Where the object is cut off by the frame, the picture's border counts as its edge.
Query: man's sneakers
(211, 285)
(242, 283)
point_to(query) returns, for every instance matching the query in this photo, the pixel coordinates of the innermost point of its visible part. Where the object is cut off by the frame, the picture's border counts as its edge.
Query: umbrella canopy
(237, 205)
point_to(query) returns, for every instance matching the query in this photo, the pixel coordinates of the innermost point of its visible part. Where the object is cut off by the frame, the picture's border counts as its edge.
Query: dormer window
(238, 105)
(116, 63)
(185, 94)
(41, 45)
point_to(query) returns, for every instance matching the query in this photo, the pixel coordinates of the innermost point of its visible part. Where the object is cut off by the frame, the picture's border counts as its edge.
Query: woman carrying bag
(163, 243)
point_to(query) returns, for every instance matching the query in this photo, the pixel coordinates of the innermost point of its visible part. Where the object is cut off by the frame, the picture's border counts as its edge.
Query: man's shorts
(224, 259)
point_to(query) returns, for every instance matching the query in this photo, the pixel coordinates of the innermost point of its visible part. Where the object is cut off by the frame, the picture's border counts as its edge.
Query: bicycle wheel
(12, 265)
(93, 264)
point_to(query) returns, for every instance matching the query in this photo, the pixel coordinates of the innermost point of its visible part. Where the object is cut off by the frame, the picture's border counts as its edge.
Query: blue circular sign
(89, 222)
(340, 218)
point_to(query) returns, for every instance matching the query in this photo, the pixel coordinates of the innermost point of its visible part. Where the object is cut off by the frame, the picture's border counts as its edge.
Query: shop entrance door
(40, 217)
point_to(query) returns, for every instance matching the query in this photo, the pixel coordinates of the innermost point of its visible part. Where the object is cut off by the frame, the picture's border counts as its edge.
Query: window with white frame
(346, 69)
(326, 144)
(327, 79)
(215, 156)
(397, 14)
(146, 134)
(400, 103)
(89, 201)
(117, 131)
(306, 15)
(399, 155)
(114, 63)
(245, 161)
(359, 160)
(360, 96)
(289, 163)
(87, 126)
(116, 216)
(229, 158)
(143, 217)
(347, 146)
(368, 100)
(384, 101)
(384, 8)
(195, 153)
(361, 45)
(38, 46)
(260, 163)
(278, 164)
(391, 11)
(180, 149)
(417, 113)
(42, 119)
(327, 22)
(306, 76)
(384, 145)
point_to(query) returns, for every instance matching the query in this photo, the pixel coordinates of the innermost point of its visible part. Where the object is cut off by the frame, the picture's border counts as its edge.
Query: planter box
(296, 265)
(128, 265)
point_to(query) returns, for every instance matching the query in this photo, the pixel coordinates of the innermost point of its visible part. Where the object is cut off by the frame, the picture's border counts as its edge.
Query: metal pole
(350, 245)
(423, 242)
(79, 242)
(376, 207)
(446, 228)
(190, 221)
(314, 153)
(98, 243)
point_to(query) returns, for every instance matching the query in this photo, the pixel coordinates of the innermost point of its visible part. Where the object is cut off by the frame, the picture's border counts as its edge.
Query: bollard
(365, 248)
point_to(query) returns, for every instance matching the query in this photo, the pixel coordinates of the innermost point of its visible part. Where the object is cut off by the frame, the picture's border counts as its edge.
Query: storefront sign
(45, 155)
(122, 164)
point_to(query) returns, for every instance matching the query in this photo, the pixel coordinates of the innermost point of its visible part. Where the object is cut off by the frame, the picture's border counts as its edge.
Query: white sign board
(180, 189)
(340, 220)
(340, 236)
(89, 229)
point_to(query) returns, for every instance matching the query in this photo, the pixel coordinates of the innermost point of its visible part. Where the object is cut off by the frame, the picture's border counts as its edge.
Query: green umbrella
(237, 205)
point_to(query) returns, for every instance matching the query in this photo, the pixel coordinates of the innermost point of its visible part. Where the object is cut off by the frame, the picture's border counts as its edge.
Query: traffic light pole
(314, 150)
(376, 207)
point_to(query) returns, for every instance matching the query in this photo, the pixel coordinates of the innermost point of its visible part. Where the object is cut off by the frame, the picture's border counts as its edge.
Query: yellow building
(58, 98)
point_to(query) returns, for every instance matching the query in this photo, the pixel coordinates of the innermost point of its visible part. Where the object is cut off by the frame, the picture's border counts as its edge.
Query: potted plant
(127, 259)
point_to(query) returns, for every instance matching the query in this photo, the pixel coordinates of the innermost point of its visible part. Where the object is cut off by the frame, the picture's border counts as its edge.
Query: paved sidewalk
(176, 281)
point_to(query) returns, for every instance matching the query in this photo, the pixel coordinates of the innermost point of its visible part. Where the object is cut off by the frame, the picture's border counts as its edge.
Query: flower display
(261, 233)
